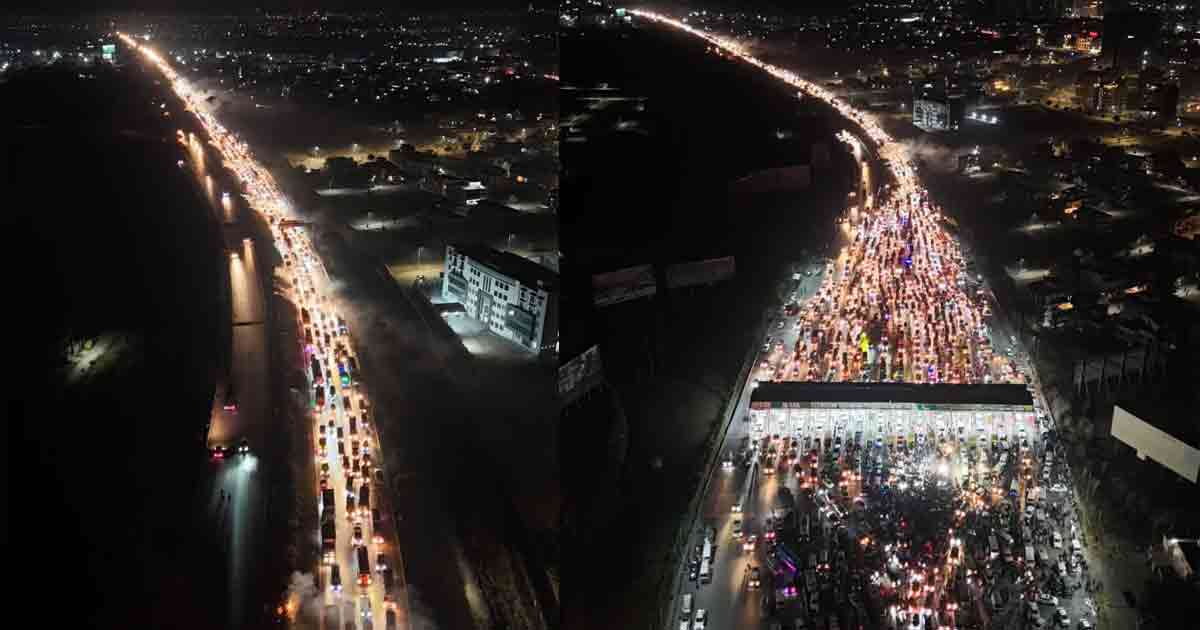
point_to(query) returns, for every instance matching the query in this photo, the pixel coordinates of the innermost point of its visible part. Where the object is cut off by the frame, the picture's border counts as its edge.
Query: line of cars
(344, 436)
(326, 345)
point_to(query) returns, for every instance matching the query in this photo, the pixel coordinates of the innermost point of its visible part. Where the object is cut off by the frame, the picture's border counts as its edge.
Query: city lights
(894, 306)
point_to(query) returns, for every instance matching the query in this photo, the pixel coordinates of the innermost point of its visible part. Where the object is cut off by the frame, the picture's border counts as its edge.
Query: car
(751, 540)
(701, 618)
(380, 562)
(1047, 599)
(335, 579)
(358, 535)
(755, 579)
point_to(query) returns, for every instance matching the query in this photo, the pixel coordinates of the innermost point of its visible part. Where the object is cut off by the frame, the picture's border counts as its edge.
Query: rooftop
(526, 271)
(997, 395)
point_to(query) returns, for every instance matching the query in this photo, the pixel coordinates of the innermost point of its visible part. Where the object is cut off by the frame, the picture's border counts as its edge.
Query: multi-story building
(933, 112)
(1129, 39)
(515, 298)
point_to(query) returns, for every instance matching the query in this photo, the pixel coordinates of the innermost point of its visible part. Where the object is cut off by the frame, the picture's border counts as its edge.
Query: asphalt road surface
(237, 495)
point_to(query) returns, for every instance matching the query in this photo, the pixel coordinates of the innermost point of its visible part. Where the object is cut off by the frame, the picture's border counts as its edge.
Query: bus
(708, 551)
(1014, 489)
(345, 376)
(705, 571)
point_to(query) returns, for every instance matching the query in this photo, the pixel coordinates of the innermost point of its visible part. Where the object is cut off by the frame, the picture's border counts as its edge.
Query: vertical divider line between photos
(685, 531)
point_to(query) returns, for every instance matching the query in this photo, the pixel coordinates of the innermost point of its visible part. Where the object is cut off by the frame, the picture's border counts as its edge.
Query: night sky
(217, 6)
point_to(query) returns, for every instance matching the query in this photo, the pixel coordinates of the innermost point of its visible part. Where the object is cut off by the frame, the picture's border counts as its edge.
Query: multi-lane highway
(896, 304)
(361, 581)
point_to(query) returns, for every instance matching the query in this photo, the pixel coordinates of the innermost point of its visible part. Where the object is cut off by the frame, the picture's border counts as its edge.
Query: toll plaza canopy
(999, 397)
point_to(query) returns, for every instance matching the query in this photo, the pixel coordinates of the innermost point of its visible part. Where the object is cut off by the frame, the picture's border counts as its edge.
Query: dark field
(111, 238)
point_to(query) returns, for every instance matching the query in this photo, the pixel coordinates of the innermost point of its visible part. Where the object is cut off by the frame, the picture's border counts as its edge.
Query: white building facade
(515, 298)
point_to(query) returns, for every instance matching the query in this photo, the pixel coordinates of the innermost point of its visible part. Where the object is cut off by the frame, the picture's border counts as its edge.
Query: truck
(318, 375)
(226, 433)
(364, 499)
(328, 539)
(304, 315)
(364, 567)
(327, 504)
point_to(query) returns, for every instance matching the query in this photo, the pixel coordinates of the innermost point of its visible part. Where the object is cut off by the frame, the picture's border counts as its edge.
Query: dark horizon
(227, 7)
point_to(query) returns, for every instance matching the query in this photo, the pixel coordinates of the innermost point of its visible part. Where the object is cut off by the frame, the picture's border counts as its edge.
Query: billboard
(1160, 446)
(580, 375)
(108, 52)
(702, 272)
(623, 285)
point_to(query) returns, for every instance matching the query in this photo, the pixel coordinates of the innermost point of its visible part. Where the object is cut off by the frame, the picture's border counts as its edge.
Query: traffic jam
(922, 529)
(901, 519)
(359, 572)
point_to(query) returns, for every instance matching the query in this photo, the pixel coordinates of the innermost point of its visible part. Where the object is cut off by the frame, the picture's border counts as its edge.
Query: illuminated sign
(108, 52)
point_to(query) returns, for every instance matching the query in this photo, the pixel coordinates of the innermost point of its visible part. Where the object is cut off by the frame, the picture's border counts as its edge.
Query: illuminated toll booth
(892, 411)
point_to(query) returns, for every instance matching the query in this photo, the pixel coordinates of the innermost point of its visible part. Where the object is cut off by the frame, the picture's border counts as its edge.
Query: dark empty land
(111, 238)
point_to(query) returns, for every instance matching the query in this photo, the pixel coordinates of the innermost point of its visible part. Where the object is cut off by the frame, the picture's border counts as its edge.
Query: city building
(938, 112)
(1157, 98)
(516, 298)
(1129, 37)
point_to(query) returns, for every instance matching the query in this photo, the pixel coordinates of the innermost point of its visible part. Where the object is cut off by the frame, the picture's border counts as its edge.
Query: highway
(348, 461)
(897, 303)
(236, 499)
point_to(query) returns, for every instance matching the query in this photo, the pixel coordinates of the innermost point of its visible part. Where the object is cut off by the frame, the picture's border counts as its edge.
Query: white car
(700, 620)
(1047, 600)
